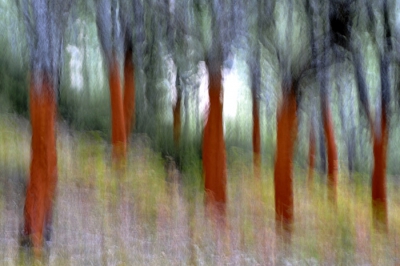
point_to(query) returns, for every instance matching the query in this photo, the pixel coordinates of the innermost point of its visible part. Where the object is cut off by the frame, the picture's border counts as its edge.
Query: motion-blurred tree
(379, 127)
(110, 41)
(44, 29)
(214, 155)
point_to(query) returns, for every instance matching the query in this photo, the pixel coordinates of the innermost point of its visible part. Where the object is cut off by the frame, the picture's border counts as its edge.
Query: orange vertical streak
(129, 93)
(43, 170)
(332, 154)
(283, 170)
(118, 138)
(256, 140)
(379, 198)
(214, 162)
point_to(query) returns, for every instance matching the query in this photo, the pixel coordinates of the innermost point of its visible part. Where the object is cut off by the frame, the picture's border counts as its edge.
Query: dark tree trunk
(129, 93)
(322, 150)
(256, 139)
(177, 112)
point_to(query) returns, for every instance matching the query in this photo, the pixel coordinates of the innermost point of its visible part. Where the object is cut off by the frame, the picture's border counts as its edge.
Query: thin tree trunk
(256, 138)
(118, 138)
(214, 162)
(381, 135)
(177, 112)
(283, 181)
(331, 152)
(380, 141)
(43, 170)
(129, 93)
(379, 201)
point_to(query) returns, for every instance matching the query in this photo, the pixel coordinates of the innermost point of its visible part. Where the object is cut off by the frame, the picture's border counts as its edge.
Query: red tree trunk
(331, 152)
(43, 169)
(129, 94)
(256, 139)
(118, 137)
(214, 162)
(283, 183)
(379, 201)
(311, 156)
(177, 117)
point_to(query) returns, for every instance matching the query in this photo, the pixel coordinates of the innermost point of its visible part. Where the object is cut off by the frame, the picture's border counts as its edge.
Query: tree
(286, 132)
(318, 16)
(291, 70)
(131, 19)
(44, 25)
(381, 130)
(214, 156)
(263, 11)
(109, 36)
(379, 127)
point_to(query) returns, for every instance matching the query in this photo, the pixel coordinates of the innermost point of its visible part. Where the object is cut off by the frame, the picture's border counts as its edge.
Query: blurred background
(333, 49)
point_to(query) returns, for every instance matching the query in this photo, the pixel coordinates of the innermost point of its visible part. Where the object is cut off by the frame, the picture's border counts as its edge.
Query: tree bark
(256, 138)
(214, 158)
(129, 93)
(380, 141)
(283, 181)
(177, 113)
(379, 201)
(118, 138)
(331, 152)
(43, 169)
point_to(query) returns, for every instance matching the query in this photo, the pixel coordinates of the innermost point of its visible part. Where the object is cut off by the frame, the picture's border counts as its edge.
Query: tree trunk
(214, 162)
(129, 94)
(177, 113)
(43, 170)
(118, 138)
(283, 183)
(311, 156)
(331, 152)
(256, 138)
(379, 202)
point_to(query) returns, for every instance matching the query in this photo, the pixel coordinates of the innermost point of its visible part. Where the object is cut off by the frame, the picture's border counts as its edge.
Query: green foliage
(14, 83)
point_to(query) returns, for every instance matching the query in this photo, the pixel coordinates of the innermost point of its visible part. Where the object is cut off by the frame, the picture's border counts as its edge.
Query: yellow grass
(110, 217)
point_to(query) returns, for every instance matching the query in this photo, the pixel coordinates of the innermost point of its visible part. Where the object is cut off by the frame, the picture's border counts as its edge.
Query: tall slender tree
(109, 36)
(286, 134)
(44, 25)
(214, 156)
(320, 26)
(380, 125)
(381, 129)
(132, 24)
(262, 19)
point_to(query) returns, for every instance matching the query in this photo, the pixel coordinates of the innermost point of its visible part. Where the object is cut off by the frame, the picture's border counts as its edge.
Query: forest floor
(105, 217)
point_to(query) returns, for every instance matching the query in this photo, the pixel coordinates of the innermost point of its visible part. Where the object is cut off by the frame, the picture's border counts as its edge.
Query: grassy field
(138, 218)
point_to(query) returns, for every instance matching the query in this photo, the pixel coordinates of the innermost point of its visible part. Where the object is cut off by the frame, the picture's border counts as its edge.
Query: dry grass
(137, 218)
